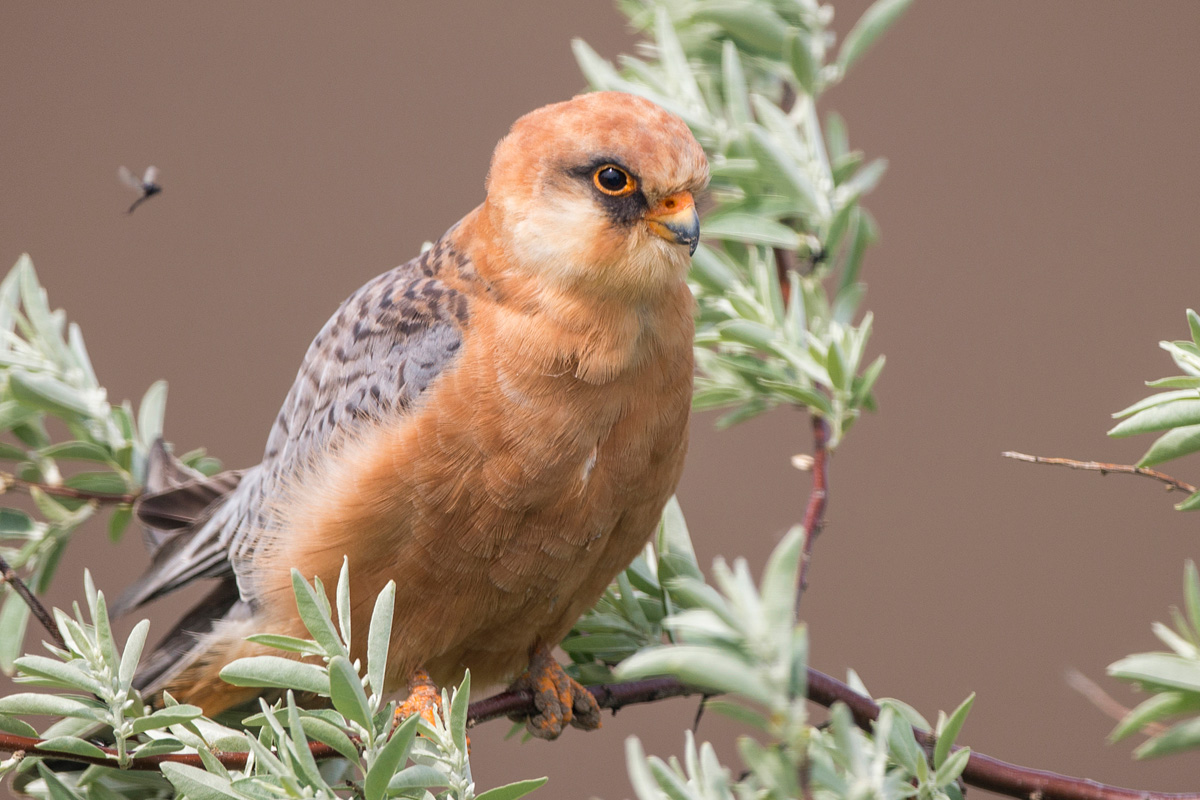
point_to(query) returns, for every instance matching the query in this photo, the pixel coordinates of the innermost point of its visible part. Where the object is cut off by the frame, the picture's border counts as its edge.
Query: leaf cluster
(1172, 679)
(57, 429)
(1175, 411)
(777, 277)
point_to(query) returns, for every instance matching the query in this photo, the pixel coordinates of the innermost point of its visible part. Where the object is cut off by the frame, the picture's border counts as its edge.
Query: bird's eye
(612, 180)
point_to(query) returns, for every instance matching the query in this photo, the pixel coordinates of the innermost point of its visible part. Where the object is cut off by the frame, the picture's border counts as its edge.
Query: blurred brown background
(1039, 238)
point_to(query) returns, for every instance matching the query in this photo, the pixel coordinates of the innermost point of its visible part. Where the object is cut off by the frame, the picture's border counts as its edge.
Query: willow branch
(8, 481)
(1103, 468)
(982, 771)
(814, 514)
(9, 575)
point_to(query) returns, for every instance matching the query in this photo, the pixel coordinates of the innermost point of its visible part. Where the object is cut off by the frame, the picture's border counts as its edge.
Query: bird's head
(596, 194)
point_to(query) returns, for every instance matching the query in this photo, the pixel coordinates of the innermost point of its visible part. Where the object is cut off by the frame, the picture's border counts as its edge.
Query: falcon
(496, 425)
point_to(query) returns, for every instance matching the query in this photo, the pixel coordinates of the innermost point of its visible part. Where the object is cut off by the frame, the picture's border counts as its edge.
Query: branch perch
(982, 771)
(1103, 468)
(9, 575)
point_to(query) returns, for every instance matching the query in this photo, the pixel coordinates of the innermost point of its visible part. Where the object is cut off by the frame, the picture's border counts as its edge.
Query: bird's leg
(423, 698)
(559, 698)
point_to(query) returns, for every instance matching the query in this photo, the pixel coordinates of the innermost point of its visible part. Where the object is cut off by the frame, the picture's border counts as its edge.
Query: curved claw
(423, 698)
(560, 699)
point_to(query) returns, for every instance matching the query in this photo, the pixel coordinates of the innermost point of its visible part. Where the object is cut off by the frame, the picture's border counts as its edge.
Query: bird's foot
(423, 698)
(559, 698)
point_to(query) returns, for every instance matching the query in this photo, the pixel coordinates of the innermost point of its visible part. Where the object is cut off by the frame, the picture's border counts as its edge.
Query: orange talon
(423, 698)
(559, 698)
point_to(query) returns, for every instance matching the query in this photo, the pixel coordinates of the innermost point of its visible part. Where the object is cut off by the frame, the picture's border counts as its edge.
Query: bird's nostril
(669, 203)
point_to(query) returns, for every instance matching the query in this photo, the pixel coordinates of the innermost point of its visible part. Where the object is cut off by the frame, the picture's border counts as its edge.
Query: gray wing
(386, 344)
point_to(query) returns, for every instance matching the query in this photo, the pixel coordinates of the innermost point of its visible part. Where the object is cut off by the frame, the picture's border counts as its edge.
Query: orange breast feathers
(509, 498)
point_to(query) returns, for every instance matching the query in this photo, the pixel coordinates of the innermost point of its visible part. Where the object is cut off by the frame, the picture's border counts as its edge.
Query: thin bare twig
(814, 514)
(1104, 468)
(8, 481)
(9, 575)
(1104, 702)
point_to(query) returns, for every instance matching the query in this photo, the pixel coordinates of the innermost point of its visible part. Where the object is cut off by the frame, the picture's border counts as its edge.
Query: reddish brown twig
(814, 514)
(1104, 702)
(13, 482)
(1104, 468)
(982, 771)
(9, 575)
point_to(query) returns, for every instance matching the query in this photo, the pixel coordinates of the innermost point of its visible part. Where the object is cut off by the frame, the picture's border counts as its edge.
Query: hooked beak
(675, 219)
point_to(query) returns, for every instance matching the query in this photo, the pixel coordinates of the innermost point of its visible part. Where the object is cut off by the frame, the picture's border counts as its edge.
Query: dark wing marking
(375, 356)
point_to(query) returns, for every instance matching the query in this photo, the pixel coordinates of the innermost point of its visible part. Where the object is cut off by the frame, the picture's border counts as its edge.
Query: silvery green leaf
(196, 784)
(289, 644)
(668, 780)
(801, 395)
(703, 667)
(379, 636)
(77, 450)
(639, 771)
(302, 755)
(458, 713)
(97, 482)
(313, 609)
(59, 674)
(276, 672)
(325, 732)
(14, 617)
(50, 705)
(693, 593)
(803, 61)
(389, 760)
(13, 414)
(73, 745)
(952, 768)
(1190, 504)
(947, 734)
(673, 536)
(737, 93)
(1177, 738)
(1173, 444)
(158, 747)
(870, 26)
(17, 727)
(1191, 595)
(151, 412)
(513, 791)
(753, 27)
(343, 600)
(133, 652)
(56, 788)
(787, 167)
(1158, 399)
(1152, 669)
(598, 72)
(748, 332)
(711, 270)
(864, 180)
(346, 691)
(736, 712)
(863, 384)
(165, 717)
(1160, 417)
(49, 394)
(752, 229)
(1158, 707)
(1194, 326)
(674, 62)
(781, 580)
(1173, 640)
(417, 776)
